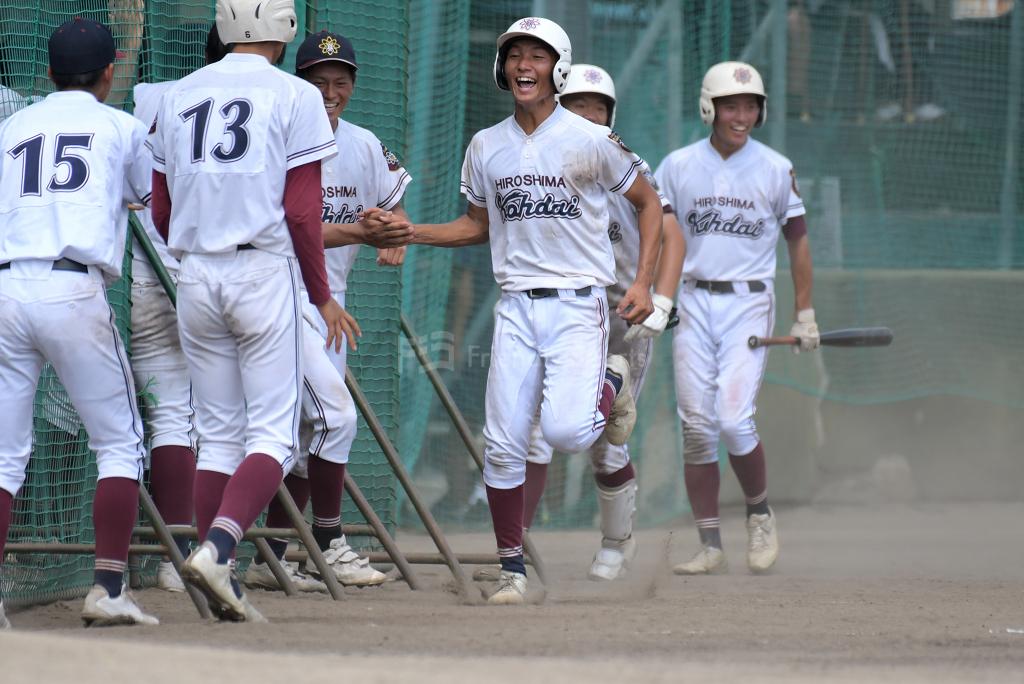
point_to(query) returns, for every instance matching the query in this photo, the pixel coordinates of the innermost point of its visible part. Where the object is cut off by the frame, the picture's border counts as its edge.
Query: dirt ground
(889, 593)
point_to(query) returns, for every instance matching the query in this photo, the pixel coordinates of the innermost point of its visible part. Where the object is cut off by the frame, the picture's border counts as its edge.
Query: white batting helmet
(547, 32)
(731, 78)
(587, 78)
(254, 21)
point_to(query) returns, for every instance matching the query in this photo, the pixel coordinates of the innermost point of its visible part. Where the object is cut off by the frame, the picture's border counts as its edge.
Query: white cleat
(612, 560)
(260, 576)
(622, 417)
(349, 567)
(487, 573)
(101, 610)
(511, 589)
(4, 622)
(167, 578)
(710, 560)
(763, 542)
(202, 570)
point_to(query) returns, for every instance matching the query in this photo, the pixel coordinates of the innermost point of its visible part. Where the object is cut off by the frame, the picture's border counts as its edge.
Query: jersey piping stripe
(315, 451)
(156, 156)
(129, 388)
(469, 191)
(599, 423)
(388, 203)
(297, 323)
(629, 174)
(310, 150)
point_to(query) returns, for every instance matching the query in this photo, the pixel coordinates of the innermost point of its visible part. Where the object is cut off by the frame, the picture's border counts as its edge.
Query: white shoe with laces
(710, 560)
(101, 610)
(762, 541)
(202, 570)
(511, 589)
(349, 567)
(167, 578)
(260, 576)
(622, 417)
(612, 560)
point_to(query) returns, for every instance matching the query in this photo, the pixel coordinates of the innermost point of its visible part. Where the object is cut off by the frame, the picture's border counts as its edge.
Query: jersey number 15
(77, 168)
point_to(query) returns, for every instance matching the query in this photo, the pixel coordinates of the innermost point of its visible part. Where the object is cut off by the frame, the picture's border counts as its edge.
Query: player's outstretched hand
(384, 229)
(339, 323)
(636, 306)
(393, 256)
(654, 324)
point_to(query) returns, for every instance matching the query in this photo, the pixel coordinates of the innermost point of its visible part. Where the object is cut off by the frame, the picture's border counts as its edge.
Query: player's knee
(502, 469)
(739, 435)
(700, 444)
(540, 451)
(569, 436)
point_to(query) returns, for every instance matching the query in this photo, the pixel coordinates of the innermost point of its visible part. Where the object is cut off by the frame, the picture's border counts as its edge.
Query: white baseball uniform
(546, 196)
(364, 174)
(731, 212)
(69, 166)
(624, 235)
(158, 362)
(225, 137)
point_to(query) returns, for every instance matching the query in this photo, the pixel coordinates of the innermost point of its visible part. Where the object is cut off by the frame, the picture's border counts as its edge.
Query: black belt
(725, 286)
(544, 292)
(247, 245)
(59, 265)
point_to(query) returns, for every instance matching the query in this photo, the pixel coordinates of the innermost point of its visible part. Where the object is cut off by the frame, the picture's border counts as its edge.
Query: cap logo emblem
(742, 75)
(529, 24)
(592, 76)
(329, 46)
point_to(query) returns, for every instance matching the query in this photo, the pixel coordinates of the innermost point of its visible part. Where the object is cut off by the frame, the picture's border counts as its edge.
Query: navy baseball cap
(325, 47)
(79, 46)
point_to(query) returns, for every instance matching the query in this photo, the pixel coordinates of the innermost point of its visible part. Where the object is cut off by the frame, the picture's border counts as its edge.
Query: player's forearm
(461, 232)
(302, 213)
(670, 263)
(343, 234)
(650, 242)
(802, 270)
(160, 205)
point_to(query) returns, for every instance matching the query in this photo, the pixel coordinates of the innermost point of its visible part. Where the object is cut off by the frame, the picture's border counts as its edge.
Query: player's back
(225, 138)
(147, 98)
(67, 169)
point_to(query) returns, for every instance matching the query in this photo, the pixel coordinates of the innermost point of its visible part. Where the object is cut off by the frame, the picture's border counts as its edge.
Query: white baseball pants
(160, 368)
(328, 413)
(63, 317)
(717, 375)
(604, 457)
(240, 328)
(549, 352)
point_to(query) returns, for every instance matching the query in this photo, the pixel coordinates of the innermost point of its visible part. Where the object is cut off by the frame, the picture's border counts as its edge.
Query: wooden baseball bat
(848, 337)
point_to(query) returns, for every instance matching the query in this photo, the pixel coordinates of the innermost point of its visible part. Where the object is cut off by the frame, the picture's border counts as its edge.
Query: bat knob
(752, 341)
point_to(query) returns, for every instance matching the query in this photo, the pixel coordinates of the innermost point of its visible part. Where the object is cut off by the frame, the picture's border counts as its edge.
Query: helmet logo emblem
(742, 75)
(592, 76)
(329, 46)
(529, 24)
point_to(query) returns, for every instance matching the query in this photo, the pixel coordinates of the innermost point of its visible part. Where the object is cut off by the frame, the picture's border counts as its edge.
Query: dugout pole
(459, 421)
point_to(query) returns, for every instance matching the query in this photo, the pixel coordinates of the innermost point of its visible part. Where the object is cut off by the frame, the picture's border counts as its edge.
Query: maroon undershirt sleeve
(160, 204)
(795, 228)
(302, 211)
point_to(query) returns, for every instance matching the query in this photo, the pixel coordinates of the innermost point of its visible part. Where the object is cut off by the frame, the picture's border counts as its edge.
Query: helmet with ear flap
(547, 32)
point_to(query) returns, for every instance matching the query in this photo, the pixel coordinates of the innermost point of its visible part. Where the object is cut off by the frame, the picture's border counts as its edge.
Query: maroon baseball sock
(247, 493)
(752, 473)
(209, 491)
(6, 504)
(114, 509)
(327, 484)
(507, 517)
(536, 478)
(616, 479)
(298, 488)
(609, 390)
(702, 483)
(172, 474)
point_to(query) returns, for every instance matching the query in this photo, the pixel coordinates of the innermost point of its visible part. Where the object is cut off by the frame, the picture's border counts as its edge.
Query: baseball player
(590, 93)
(537, 185)
(734, 195)
(68, 168)
(241, 129)
(363, 175)
(159, 365)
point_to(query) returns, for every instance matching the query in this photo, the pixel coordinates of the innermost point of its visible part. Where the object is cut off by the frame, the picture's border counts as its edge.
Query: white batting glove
(655, 323)
(807, 330)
